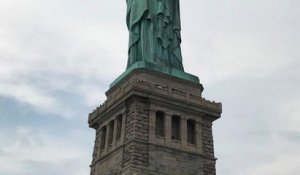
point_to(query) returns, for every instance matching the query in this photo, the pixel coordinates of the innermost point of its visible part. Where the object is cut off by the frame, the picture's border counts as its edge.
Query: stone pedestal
(131, 141)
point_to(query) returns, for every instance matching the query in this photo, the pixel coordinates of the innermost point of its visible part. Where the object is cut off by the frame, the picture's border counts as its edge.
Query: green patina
(154, 37)
(159, 68)
(154, 32)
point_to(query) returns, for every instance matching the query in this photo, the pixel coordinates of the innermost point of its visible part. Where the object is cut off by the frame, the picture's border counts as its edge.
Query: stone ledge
(158, 84)
(158, 68)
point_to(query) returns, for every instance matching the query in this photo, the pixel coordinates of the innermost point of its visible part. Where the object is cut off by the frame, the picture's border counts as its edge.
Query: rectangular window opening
(119, 127)
(175, 127)
(191, 134)
(111, 132)
(103, 138)
(160, 124)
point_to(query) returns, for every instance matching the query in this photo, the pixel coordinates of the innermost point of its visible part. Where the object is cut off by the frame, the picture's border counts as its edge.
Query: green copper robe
(154, 32)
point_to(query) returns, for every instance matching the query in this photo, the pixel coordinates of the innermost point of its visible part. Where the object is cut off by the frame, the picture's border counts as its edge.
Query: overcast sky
(58, 57)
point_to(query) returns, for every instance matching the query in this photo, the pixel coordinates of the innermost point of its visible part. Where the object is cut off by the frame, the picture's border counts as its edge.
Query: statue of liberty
(154, 32)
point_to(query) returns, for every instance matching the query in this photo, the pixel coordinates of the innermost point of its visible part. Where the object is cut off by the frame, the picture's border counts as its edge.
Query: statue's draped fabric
(154, 32)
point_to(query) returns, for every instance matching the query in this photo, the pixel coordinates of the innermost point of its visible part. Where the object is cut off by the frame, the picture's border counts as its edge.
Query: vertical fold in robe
(154, 32)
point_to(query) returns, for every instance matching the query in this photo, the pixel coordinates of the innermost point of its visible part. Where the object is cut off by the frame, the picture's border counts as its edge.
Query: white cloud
(45, 49)
(29, 94)
(289, 162)
(26, 147)
(235, 39)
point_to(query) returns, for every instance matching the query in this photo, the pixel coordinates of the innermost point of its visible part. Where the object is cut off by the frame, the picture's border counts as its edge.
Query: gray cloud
(260, 122)
(33, 151)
